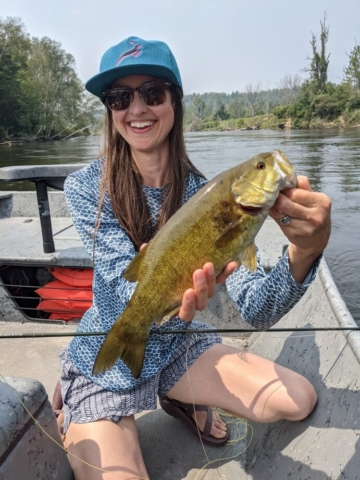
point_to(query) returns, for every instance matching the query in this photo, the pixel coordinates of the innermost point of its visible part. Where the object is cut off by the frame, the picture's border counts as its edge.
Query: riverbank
(273, 122)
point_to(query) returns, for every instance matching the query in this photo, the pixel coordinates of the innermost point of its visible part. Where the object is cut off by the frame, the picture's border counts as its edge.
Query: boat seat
(44, 177)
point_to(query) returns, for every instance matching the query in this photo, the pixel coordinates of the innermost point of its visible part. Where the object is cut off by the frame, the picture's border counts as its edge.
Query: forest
(42, 97)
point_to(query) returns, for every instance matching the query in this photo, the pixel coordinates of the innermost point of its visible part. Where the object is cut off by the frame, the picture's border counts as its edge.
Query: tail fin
(120, 343)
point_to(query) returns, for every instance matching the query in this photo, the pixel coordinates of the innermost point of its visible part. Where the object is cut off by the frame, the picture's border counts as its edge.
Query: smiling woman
(118, 203)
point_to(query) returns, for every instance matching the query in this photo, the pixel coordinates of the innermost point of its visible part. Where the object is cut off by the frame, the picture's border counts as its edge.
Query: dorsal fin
(132, 270)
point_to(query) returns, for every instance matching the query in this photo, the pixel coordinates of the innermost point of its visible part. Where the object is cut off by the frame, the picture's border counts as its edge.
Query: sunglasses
(120, 98)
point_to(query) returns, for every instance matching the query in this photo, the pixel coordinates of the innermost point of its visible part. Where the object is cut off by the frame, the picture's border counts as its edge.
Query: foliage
(14, 50)
(221, 113)
(41, 95)
(352, 71)
(281, 111)
(320, 60)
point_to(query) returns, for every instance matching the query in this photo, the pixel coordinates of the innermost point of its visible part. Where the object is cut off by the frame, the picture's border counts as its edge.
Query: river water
(330, 158)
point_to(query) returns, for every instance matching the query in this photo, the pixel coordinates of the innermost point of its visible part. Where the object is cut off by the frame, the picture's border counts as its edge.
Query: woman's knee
(302, 400)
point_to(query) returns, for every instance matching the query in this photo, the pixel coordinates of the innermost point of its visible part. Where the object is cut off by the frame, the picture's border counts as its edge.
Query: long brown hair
(122, 181)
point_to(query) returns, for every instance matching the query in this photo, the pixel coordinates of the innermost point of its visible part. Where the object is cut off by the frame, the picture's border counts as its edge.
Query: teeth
(141, 124)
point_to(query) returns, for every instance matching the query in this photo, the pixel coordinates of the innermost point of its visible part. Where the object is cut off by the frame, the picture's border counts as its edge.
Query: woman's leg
(246, 385)
(107, 445)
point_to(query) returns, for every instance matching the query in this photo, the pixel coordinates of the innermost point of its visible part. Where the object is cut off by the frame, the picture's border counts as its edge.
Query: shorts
(84, 401)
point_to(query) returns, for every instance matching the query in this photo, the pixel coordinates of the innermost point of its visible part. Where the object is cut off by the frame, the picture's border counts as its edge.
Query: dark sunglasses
(120, 98)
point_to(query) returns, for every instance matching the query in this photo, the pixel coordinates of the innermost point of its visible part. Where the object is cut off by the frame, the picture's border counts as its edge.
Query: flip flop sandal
(184, 412)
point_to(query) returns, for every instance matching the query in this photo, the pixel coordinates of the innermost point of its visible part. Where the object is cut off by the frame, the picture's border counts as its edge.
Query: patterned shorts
(85, 401)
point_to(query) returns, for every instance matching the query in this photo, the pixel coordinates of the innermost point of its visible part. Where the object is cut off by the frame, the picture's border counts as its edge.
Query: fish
(218, 224)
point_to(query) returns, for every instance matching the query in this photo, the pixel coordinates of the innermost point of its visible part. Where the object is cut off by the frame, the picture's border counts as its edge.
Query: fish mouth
(249, 209)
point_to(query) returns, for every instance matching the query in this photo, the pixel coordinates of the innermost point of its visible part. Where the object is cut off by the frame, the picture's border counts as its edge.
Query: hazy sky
(220, 45)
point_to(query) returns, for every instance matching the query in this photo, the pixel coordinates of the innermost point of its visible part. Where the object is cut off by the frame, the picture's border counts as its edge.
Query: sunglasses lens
(153, 93)
(118, 99)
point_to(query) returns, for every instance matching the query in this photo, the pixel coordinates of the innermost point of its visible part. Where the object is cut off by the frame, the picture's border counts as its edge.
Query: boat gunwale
(339, 307)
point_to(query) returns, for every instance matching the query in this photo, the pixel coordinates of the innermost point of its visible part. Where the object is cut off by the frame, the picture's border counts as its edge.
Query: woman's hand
(204, 288)
(310, 227)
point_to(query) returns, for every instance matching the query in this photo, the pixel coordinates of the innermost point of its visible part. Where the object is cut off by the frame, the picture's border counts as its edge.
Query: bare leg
(246, 385)
(111, 446)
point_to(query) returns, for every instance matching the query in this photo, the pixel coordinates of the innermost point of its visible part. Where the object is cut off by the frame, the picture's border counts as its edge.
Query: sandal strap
(208, 422)
(189, 410)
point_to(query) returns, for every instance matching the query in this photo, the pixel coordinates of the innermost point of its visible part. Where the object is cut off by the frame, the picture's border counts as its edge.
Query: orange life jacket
(70, 300)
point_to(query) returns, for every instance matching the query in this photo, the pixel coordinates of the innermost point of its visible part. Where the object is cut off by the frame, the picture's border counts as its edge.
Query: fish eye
(261, 165)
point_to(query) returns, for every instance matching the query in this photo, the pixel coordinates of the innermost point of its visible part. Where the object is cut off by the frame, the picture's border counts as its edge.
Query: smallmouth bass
(218, 224)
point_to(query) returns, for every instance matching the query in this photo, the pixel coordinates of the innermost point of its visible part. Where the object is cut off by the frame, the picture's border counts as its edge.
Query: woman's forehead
(133, 81)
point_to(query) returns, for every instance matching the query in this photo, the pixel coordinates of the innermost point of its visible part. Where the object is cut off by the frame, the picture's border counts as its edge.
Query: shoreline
(220, 128)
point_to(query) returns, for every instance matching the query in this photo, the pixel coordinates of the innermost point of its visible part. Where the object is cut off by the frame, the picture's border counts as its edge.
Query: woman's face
(145, 128)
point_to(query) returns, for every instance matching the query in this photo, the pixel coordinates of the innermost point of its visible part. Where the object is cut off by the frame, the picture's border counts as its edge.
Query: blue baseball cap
(135, 56)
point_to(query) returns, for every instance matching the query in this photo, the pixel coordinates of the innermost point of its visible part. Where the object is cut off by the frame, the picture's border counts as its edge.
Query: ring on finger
(285, 220)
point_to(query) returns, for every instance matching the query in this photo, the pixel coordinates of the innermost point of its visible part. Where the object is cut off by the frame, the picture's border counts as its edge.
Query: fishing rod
(180, 332)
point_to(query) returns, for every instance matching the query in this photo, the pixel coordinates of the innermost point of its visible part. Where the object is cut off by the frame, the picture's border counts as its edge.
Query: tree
(320, 60)
(252, 95)
(14, 50)
(237, 108)
(290, 86)
(199, 109)
(221, 113)
(352, 72)
(53, 90)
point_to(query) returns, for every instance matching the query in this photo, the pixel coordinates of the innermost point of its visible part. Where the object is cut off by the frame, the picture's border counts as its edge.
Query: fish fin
(169, 313)
(131, 272)
(129, 347)
(248, 257)
(231, 232)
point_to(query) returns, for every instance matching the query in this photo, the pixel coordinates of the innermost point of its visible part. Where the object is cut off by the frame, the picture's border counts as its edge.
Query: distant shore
(268, 122)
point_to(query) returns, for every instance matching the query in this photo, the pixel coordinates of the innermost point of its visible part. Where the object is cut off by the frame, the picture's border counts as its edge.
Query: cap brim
(100, 82)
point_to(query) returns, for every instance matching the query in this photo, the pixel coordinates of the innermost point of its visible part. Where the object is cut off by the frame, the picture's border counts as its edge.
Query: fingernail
(190, 297)
(211, 270)
(199, 277)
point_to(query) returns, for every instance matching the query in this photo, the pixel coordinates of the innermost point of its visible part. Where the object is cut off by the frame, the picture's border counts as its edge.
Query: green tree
(199, 108)
(352, 71)
(221, 113)
(237, 108)
(53, 89)
(320, 59)
(14, 50)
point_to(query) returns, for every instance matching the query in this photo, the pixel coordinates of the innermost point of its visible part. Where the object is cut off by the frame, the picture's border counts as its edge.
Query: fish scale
(218, 224)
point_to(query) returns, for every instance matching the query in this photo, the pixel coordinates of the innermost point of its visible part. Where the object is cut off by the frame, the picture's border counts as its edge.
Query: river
(330, 158)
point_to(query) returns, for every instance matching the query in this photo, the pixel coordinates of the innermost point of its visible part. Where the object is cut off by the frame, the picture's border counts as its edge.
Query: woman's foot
(218, 426)
(198, 418)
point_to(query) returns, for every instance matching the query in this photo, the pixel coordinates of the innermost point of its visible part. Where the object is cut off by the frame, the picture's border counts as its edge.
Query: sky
(220, 45)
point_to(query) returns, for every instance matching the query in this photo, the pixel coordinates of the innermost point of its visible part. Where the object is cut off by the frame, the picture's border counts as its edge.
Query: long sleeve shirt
(262, 299)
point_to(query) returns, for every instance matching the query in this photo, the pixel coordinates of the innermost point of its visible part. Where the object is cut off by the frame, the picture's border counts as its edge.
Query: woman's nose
(137, 105)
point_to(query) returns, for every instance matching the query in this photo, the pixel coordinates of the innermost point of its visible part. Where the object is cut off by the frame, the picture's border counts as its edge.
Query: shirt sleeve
(263, 299)
(113, 248)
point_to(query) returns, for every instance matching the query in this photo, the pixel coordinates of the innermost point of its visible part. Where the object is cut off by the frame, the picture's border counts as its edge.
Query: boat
(326, 445)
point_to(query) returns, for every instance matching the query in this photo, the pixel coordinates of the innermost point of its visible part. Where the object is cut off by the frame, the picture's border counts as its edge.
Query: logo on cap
(135, 52)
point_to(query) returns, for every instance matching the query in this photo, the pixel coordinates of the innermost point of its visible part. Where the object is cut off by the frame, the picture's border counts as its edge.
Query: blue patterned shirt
(261, 299)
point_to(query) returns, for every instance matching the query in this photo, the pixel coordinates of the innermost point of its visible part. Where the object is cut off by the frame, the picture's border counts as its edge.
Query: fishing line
(233, 420)
(103, 470)
(181, 332)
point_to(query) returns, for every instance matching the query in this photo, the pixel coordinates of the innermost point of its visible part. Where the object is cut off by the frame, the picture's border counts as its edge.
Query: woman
(117, 204)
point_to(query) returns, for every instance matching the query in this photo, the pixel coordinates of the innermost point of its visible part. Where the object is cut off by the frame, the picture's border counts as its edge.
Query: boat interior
(40, 242)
